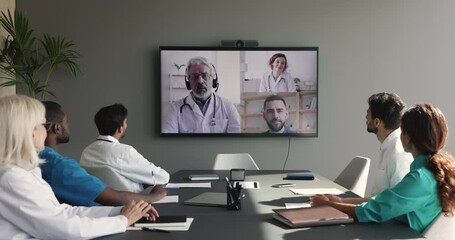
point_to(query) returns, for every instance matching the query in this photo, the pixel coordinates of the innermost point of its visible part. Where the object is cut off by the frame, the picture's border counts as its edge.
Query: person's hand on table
(319, 200)
(133, 211)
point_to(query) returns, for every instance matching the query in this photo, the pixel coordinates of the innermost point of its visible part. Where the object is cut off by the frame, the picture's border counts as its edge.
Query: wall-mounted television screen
(248, 91)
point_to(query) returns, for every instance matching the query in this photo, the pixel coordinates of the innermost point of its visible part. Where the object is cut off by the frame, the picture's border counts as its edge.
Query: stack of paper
(314, 191)
(189, 185)
(187, 226)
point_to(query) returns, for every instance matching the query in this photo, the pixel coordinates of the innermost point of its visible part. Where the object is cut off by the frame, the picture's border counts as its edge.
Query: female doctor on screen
(277, 79)
(202, 110)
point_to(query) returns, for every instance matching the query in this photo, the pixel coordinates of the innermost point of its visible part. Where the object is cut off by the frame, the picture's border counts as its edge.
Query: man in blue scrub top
(69, 181)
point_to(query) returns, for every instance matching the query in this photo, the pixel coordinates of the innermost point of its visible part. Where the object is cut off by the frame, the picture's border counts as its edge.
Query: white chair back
(109, 177)
(225, 161)
(442, 228)
(355, 175)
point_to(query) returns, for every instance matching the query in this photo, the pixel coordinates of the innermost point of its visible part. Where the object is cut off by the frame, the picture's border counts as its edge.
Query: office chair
(109, 177)
(442, 228)
(225, 161)
(355, 175)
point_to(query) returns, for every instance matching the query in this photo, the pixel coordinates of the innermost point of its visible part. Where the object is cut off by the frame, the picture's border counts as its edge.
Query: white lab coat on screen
(285, 83)
(29, 209)
(186, 117)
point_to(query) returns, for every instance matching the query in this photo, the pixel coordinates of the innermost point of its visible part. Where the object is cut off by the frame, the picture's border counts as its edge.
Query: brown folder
(312, 216)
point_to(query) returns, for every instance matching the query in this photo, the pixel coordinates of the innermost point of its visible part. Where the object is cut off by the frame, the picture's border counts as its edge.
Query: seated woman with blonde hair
(426, 191)
(28, 207)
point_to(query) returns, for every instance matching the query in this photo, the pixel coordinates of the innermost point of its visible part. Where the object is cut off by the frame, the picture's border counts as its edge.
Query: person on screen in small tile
(427, 191)
(203, 110)
(28, 206)
(275, 114)
(125, 160)
(277, 79)
(70, 182)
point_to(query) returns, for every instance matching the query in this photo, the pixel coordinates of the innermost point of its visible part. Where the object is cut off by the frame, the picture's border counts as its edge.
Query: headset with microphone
(215, 83)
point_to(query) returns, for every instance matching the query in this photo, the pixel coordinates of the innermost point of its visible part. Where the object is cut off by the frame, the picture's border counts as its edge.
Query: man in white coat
(202, 110)
(383, 119)
(123, 159)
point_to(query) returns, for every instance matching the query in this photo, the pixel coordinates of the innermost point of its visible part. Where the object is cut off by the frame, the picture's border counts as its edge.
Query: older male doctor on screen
(202, 110)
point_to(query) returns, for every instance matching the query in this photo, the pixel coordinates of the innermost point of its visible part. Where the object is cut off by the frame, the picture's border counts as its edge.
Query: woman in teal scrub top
(426, 191)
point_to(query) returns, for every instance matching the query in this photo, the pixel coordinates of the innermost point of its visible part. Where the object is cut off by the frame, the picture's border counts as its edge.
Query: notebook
(305, 175)
(163, 221)
(312, 216)
(196, 177)
(208, 199)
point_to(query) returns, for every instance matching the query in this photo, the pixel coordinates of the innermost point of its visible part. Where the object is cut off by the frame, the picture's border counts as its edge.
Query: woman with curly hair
(426, 191)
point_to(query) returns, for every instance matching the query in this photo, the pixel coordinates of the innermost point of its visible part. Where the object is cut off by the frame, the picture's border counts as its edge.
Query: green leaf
(30, 61)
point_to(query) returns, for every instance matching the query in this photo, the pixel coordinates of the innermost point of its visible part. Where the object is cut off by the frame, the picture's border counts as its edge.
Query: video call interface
(246, 77)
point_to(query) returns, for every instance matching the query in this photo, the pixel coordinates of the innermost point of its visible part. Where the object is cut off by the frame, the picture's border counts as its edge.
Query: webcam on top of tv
(239, 43)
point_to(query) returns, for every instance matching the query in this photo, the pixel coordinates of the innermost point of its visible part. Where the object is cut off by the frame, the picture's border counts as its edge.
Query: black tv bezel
(221, 48)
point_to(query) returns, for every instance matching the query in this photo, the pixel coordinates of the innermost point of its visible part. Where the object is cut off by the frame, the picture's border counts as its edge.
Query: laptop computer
(208, 199)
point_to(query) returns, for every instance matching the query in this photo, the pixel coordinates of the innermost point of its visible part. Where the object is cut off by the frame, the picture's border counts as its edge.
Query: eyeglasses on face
(196, 76)
(47, 125)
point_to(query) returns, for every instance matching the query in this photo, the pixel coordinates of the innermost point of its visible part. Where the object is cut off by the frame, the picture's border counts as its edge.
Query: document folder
(312, 216)
(163, 221)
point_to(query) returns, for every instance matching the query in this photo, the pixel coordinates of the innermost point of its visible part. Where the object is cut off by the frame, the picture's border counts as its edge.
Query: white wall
(366, 46)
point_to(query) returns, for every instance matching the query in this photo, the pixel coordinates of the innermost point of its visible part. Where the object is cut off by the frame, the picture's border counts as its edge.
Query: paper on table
(168, 199)
(314, 191)
(297, 205)
(184, 228)
(189, 185)
(248, 184)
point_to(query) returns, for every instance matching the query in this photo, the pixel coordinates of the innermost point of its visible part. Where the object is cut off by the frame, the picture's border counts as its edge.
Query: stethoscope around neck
(185, 104)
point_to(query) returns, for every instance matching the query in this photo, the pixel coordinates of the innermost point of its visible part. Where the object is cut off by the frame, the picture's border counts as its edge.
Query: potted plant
(29, 62)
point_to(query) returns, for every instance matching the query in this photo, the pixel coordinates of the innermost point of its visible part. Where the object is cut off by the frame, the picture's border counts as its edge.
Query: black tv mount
(239, 43)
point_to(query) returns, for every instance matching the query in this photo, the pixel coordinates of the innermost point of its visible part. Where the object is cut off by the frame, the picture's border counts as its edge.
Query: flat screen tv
(248, 91)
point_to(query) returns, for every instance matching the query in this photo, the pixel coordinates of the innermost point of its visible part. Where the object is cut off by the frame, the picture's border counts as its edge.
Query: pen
(155, 230)
(153, 177)
(228, 182)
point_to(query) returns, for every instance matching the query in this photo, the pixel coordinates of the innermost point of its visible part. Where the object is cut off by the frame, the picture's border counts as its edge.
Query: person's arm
(321, 200)
(71, 183)
(111, 197)
(335, 198)
(137, 168)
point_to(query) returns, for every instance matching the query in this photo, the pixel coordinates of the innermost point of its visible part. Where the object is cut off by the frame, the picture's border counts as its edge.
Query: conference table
(254, 220)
